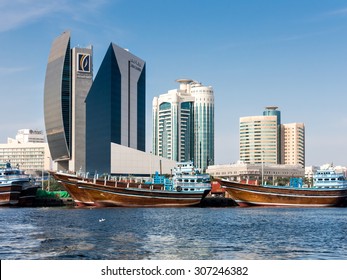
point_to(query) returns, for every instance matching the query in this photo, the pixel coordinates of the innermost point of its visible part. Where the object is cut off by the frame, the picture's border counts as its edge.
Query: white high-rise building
(183, 124)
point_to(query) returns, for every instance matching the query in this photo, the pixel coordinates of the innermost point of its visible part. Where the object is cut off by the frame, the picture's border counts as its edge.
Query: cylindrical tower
(203, 125)
(155, 125)
(183, 124)
(272, 111)
(184, 84)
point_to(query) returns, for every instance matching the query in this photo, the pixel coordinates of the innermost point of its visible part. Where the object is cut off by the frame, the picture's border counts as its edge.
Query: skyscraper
(86, 120)
(203, 125)
(263, 139)
(183, 124)
(259, 139)
(293, 143)
(115, 108)
(272, 111)
(82, 79)
(69, 76)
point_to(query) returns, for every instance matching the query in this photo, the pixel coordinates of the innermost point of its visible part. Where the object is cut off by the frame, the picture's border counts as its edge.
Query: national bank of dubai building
(83, 118)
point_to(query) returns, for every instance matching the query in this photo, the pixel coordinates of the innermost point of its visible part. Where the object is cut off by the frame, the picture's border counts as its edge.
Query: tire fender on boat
(179, 188)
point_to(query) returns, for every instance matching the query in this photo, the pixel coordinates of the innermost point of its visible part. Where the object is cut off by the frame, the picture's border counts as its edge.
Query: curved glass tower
(57, 99)
(69, 75)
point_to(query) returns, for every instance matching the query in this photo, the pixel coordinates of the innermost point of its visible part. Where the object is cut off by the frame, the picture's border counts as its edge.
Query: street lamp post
(49, 176)
(262, 168)
(42, 179)
(43, 167)
(150, 167)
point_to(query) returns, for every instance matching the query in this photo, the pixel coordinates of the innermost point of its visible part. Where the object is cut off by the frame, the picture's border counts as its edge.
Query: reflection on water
(170, 247)
(173, 233)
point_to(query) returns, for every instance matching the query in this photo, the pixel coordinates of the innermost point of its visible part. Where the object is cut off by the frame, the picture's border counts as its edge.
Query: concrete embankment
(51, 199)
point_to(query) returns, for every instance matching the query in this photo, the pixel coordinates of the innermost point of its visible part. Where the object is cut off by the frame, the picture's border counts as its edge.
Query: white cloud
(338, 12)
(16, 13)
(11, 70)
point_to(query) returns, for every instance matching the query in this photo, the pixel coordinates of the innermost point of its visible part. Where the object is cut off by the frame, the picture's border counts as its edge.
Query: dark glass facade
(105, 113)
(103, 119)
(84, 117)
(187, 130)
(141, 111)
(66, 96)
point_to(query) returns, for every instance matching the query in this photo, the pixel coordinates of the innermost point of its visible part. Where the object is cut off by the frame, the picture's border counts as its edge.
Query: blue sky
(292, 54)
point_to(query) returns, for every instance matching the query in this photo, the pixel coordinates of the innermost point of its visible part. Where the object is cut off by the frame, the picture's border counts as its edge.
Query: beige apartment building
(259, 140)
(263, 139)
(293, 143)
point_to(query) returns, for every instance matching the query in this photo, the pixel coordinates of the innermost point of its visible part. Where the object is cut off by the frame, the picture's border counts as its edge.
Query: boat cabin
(329, 179)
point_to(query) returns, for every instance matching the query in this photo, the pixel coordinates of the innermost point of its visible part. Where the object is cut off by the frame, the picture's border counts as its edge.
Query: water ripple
(170, 233)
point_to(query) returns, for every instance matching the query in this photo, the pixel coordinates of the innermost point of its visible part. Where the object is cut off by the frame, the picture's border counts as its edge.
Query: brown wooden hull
(255, 195)
(27, 196)
(9, 194)
(110, 193)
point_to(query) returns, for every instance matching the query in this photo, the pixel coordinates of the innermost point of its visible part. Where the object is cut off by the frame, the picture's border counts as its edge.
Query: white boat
(329, 178)
(16, 187)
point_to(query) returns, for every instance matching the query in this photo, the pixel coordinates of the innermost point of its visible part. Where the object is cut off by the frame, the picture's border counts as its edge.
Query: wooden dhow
(187, 187)
(329, 189)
